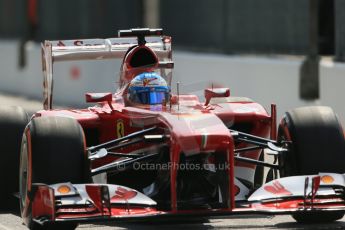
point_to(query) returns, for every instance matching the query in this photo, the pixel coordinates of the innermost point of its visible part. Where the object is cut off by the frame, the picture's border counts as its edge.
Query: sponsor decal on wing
(327, 179)
(123, 194)
(277, 188)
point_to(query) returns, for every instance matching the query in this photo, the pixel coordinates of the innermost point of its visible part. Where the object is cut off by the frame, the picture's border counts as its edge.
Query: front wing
(66, 202)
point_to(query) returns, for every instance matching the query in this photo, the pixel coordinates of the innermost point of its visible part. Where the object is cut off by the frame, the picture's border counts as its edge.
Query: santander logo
(277, 188)
(123, 194)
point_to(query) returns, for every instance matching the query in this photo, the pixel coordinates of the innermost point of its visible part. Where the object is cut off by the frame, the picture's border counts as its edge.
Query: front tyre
(318, 217)
(52, 151)
(316, 145)
(13, 120)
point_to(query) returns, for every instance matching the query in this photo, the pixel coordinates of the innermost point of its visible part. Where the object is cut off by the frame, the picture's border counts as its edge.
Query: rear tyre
(52, 151)
(13, 120)
(317, 145)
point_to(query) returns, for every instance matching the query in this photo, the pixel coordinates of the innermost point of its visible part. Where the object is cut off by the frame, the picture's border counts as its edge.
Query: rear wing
(97, 49)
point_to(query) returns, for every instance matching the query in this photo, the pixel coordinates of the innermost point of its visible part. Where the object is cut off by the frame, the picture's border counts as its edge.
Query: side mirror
(216, 92)
(99, 97)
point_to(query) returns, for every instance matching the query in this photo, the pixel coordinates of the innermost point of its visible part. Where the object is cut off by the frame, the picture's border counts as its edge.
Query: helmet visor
(150, 98)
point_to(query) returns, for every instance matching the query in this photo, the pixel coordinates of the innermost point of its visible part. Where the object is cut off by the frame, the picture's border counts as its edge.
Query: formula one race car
(147, 153)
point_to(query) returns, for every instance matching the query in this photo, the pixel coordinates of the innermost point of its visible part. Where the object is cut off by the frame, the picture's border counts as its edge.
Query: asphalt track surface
(10, 220)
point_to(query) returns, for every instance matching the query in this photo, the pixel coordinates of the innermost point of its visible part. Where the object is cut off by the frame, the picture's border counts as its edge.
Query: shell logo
(64, 189)
(327, 179)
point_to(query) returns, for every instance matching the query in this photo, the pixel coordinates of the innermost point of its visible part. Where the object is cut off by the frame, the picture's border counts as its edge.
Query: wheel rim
(286, 168)
(23, 173)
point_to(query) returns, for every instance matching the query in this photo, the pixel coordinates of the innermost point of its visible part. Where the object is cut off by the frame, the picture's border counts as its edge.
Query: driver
(148, 88)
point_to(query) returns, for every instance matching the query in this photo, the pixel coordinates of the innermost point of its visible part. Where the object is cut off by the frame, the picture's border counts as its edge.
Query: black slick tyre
(13, 120)
(316, 145)
(52, 151)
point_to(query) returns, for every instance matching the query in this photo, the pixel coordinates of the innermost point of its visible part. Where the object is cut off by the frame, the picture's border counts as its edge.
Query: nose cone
(198, 133)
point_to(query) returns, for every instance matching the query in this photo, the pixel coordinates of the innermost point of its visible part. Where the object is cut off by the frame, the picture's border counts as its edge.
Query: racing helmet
(148, 88)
